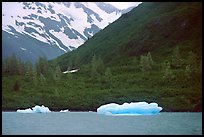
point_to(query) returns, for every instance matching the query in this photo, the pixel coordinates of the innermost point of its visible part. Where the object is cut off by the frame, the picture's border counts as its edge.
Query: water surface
(91, 123)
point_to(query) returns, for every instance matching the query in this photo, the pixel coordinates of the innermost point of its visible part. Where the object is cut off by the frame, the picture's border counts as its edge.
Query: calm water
(88, 123)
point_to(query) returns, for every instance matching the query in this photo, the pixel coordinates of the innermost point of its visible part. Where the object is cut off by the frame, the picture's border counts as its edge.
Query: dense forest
(152, 54)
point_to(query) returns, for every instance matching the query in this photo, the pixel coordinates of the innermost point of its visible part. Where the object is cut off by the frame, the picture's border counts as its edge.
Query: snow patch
(66, 40)
(40, 38)
(19, 12)
(71, 71)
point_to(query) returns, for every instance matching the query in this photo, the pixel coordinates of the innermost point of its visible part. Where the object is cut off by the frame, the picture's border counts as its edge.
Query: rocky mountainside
(33, 29)
(151, 27)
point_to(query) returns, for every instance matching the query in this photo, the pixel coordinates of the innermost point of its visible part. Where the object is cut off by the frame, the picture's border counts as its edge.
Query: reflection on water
(91, 123)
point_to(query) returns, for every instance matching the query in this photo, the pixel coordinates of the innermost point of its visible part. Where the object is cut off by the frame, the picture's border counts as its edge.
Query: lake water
(91, 123)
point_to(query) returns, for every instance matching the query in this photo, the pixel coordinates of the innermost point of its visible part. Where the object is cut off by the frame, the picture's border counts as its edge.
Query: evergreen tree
(57, 74)
(42, 65)
(77, 61)
(168, 74)
(200, 67)
(142, 62)
(12, 66)
(42, 79)
(100, 66)
(192, 61)
(6, 68)
(108, 76)
(56, 93)
(69, 66)
(21, 67)
(28, 68)
(149, 56)
(188, 71)
(145, 64)
(16, 86)
(176, 58)
(3, 67)
(97, 66)
(34, 77)
(193, 68)
(94, 72)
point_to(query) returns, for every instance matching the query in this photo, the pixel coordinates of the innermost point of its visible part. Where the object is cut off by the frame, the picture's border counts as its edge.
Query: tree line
(42, 69)
(13, 66)
(190, 66)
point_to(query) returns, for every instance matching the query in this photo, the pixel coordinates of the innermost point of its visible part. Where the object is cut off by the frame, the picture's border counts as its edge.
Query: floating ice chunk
(133, 108)
(25, 111)
(64, 110)
(40, 109)
(36, 109)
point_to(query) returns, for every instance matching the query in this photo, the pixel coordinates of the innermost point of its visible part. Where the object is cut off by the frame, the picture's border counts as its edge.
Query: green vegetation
(153, 54)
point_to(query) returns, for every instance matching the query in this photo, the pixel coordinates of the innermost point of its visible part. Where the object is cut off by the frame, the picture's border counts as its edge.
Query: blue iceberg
(133, 108)
(36, 109)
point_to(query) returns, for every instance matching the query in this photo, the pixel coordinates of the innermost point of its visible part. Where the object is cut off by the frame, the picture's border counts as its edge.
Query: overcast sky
(124, 5)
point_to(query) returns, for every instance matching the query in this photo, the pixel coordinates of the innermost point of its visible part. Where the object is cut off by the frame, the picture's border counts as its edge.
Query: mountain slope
(152, 54)
(170, 32)
(33, 29)
(157, 27)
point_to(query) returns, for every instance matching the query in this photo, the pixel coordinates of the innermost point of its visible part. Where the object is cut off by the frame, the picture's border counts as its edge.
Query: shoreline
(94, 109)
(11, 110)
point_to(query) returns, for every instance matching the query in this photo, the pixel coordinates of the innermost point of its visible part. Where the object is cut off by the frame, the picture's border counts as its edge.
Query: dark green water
(91, 123)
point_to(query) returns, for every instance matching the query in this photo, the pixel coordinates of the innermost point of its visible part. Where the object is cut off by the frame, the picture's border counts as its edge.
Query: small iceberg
(133, 108)
(25, 111)
(64, 110)
(36, 109)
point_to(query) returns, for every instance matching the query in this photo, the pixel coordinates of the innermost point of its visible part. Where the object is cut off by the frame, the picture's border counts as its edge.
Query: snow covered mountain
(33, 29)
